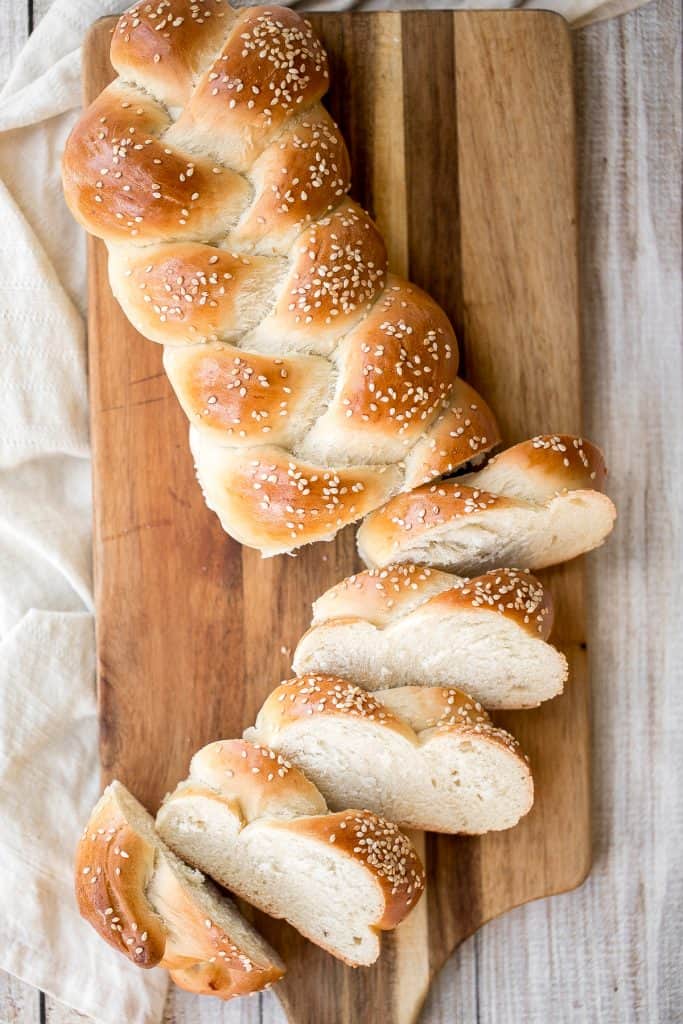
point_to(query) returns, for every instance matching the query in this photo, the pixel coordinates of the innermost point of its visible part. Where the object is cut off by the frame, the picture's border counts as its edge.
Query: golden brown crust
(514, 593)
(162, 43)
(547, 464)
(124, 184)
(419, 511)
(218, 180)
(273, 502)
(222, 973)
(138, 900)
(527, 477)
(186, 293)
(399, 364)
(434, 707)
(338, 268)
(114, 865)
(221, 976)
(381, 595)
(271, 67)
(200, 954)
(260, 781)
(298, 699)
(577, 463)
(434, 504)
(466, 430)
(381, 847)
(312, 152)
(237, 397)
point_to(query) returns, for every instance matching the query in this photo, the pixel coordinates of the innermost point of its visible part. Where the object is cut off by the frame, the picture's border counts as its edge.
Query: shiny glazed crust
(506, 496)
(381, 596)
(219, 184)
(155, 910)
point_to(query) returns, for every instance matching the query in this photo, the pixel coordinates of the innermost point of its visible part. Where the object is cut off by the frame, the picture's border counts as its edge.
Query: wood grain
(193, 630)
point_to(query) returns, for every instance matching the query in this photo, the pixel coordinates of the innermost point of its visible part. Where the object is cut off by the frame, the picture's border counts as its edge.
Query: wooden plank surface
(607, 951)
(188, 652)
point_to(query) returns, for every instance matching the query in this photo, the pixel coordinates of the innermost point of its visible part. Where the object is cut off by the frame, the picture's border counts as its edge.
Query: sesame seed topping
(164, 178)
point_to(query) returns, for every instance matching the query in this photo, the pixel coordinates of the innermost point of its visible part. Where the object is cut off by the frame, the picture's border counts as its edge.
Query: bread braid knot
(317, 384)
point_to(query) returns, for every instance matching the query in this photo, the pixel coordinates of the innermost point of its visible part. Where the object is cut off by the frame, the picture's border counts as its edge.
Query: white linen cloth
(49, 776)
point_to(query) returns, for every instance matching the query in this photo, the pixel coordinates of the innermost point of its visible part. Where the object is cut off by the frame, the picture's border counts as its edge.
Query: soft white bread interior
(410, 625)
(536, 504)
(424, 757)
(257, 825)
(154, 909)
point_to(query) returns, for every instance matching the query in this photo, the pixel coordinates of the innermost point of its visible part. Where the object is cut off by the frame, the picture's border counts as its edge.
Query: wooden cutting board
(461, 132)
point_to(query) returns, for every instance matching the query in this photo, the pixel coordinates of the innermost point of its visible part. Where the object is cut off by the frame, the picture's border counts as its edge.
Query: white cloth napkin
(49, 775)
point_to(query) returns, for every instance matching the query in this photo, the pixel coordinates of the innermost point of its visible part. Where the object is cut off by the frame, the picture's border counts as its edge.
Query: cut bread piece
(424, 757)
(534, 505)
(258, 826)
(409, 625)
(156, 910)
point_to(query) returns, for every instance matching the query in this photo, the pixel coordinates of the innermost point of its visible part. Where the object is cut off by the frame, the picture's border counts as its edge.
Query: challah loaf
(318, 384)
(258, 826)
(534, 505)
(154, 909)
(424, 757)
(410, 625)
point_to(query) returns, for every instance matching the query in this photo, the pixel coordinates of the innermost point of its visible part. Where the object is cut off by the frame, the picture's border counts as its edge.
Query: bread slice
(154, 909)
(409, 625)
(536, 504)
(259, 827)
(424, 757)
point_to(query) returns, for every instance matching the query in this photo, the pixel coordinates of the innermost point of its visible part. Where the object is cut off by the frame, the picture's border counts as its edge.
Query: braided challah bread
(257, 825)
(318, 384)
(154, 909)
(424, 757)
(533, 505)
(410, 625)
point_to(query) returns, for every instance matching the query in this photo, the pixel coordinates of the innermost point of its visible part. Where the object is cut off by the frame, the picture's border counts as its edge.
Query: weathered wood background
(608, 952)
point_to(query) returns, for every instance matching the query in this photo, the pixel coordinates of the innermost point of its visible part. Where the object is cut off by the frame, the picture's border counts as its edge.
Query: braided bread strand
(317, 384)
(535, 504)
